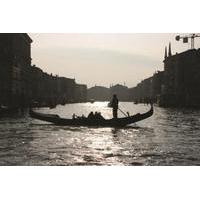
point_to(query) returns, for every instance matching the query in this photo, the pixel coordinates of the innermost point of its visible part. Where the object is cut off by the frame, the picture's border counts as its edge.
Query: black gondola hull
(119, 122)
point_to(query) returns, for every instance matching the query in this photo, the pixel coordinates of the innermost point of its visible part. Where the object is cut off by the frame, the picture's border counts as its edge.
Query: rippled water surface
(169, 137)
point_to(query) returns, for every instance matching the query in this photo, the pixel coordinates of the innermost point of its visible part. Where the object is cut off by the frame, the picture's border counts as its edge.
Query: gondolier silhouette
(114, 105)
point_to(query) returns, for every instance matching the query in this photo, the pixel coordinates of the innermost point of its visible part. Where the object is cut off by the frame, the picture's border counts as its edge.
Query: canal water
(169, 137)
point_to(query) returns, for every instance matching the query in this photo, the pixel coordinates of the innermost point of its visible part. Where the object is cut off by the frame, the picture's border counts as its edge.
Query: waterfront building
(143, 92)
(15, 62)
(22, 84)
(178, 85)
(121, 91)
(133, 94)
(80, 93)
(99, 93)
(66, 90)
(182, 79)
(36, 86)
(50, 90)
(157, 84)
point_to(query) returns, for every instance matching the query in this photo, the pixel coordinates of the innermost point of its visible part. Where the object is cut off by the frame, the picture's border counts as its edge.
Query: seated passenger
(83, 116)
(98, 116)
(91, 115)
(74, 116)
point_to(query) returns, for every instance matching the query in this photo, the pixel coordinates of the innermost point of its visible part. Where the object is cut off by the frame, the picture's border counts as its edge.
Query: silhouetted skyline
(103, 59)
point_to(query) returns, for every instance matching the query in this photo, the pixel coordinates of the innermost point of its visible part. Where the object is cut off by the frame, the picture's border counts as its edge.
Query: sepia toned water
(169, 137)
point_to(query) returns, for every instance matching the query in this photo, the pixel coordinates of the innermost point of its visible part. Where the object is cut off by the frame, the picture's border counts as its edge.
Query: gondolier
(114, 105)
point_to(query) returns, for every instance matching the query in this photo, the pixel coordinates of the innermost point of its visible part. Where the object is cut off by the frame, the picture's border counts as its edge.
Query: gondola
(91, 100)
(83, 121)
(4, 111)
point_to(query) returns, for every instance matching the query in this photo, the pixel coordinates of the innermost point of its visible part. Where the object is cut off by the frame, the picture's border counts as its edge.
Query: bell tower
(170, 51)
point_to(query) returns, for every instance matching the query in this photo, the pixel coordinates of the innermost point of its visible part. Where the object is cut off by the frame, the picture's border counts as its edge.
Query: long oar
(123, 112)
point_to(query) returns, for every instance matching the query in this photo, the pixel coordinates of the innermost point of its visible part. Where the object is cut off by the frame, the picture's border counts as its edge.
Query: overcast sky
(103, 59)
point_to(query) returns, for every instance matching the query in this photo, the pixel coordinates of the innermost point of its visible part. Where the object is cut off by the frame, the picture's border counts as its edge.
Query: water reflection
(169, 137)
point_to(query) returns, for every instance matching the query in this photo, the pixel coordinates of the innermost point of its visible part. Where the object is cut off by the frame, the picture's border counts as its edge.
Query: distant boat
(91, 100)
(52, 106)
(4, 110)
(83, 121)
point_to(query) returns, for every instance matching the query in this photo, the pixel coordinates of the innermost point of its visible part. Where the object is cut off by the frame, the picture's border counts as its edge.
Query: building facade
(48, 90)
(182, 79)
(121, 91)
(177, 86)
(98, 93)
(142, 93)
(22, 84)
(80, 93)
(15, 62)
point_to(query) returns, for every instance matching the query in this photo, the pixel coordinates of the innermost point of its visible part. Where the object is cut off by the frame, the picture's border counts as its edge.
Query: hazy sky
(103, 59)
